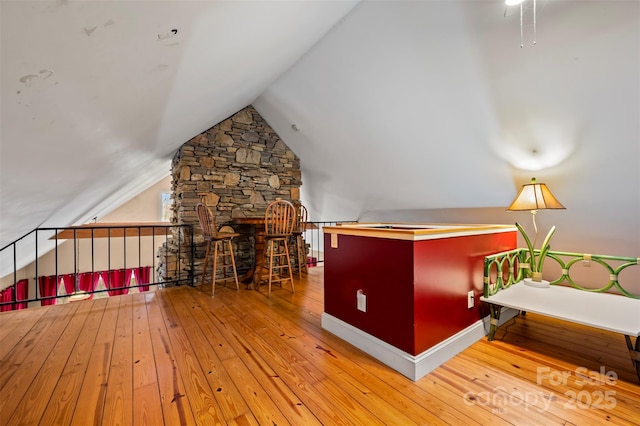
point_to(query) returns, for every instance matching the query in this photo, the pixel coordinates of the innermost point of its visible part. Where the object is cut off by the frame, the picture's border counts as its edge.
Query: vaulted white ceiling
(97, 96)
(404, 110)
(431, 111)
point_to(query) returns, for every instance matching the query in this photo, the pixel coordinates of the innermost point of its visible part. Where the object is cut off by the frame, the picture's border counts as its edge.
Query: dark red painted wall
(383, 269)
(445, 270)
(416, 291)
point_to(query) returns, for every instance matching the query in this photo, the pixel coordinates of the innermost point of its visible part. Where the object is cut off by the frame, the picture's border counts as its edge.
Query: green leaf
(532, 261)
(545, 248)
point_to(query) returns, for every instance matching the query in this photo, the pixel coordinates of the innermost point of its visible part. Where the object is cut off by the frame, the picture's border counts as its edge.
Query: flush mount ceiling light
(521, 3)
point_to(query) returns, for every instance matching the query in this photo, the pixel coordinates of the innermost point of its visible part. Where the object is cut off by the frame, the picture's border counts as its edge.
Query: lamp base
(538, 284)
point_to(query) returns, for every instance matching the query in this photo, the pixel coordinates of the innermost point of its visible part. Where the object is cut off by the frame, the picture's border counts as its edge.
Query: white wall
(405, 111)
(145, 207)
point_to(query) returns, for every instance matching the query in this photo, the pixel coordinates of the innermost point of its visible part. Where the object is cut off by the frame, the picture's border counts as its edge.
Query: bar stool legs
(279, 219)
(221, 254)
(277, 259)
(301, 255)
(299, 227)
(206, 263)
(211, 234)
(224, 255)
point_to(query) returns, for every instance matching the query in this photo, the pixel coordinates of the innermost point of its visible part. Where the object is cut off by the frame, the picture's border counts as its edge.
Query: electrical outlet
(470, 299)
(361, 301)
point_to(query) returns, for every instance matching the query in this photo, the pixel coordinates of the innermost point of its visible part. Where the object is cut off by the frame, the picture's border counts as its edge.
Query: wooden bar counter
(114, 230)
(413, 282)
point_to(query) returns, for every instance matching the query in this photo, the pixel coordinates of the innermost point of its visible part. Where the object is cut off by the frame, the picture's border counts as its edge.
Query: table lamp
(533, 197)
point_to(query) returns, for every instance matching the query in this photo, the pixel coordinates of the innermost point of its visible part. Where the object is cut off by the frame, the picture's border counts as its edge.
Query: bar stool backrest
(279, 218)
(302, 217)
(207, 221)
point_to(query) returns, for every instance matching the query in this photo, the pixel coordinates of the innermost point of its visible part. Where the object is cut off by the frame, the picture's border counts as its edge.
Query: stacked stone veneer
(237, 167)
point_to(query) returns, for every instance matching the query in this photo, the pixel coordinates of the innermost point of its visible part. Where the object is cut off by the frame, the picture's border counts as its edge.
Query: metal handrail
(50, 236)
(313, 236)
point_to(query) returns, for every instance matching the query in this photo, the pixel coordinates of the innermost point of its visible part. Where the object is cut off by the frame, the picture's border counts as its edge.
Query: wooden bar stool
(300, 225)
(279, 219)
(221, 241)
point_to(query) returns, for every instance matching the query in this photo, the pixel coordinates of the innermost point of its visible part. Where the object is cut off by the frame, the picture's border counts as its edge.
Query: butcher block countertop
(414, 231)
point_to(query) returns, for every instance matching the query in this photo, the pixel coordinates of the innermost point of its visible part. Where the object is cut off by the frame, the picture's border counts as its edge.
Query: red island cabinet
(400, 291)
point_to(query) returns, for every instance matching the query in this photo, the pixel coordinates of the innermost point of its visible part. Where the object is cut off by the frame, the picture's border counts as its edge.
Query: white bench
(612, 312)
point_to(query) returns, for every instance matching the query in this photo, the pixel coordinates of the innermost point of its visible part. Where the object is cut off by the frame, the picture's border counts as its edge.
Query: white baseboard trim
(412, 366)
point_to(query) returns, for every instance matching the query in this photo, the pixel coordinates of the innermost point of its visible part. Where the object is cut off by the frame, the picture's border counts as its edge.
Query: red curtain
(7, 295)
(97, 276)
(48, 287)
(69, 283)
(117, 282)
(15, 296)
(86, 281)
(22, 294)
(142, 275)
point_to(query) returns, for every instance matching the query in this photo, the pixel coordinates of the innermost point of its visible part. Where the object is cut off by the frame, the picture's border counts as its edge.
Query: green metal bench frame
(503, 270)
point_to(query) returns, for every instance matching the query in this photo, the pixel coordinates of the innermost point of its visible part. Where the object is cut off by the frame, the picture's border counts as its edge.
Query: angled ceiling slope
(421, 109)
(97, 96)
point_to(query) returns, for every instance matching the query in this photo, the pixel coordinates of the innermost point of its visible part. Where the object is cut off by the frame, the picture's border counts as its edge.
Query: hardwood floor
(178, 356)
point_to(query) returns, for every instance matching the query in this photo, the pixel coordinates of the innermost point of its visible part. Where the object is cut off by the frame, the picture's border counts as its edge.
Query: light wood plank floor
(178, 356)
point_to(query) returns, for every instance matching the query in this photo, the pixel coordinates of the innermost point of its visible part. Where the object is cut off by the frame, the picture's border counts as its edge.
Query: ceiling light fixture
(521, 3)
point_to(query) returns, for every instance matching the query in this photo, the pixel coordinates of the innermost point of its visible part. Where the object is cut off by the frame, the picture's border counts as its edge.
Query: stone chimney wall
(237, 167)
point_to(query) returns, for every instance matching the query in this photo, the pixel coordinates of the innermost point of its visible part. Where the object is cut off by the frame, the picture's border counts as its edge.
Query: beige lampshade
(535, 196)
